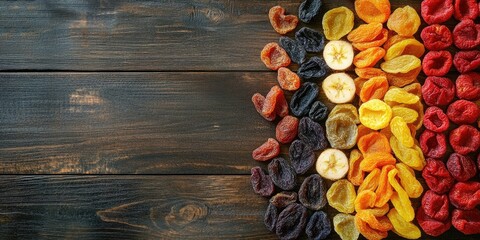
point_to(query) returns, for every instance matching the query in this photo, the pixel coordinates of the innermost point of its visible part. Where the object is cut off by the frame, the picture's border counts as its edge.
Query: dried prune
(314, 68)
(373, 10)
(437, 63)
(432, 226)
(468, 86)
(312, 133)
(344, 225)
(463, 112)
(283, 199)
(365, 32)
(433, 144)
(337, 22)
(438, 91)
(301, 156)
(437, 177)
(435, 205)
(282, 23)
(466, 61)
(311, 40)
(436, 11)
(467, 222)
(308, 9)
(312, 192)
(282, 174)
(262, 183)
(404, 21)
(291, 221)
(341, 196)
(274, 56)
(267, 151)
(368, 57)
(270, 218)
(436, 120)
(465, 195)
(287, 129)
(303, 99)
(319, 226)
(287, 79)
(466, 34)
(341, 131)
(294, 49)
(465, 9)
(318, 111)
(436, 37)
(258, 101)
(465, 139)
(461, 167)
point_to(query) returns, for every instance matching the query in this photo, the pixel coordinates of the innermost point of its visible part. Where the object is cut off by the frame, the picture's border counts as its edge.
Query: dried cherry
(312, 193)
(310, 39)
(465, 139)
(432, 226)
(436, 37)
(437, 177)
(318, 111)
(467, 222)
(435, 205)
(463, 112)
(282, 23)
(283, 199)
(466, 34)
(308, 9)
(319, 226)
(465, 9)
(435, 120)
(433, 144)
(287, 129)
(466, 61)
(465, 195)
(437, 63)
(291, 221)
(294, 49)
(436, 11)
(274, 56)
(303, 99)
(270, 218)
(312, 133)
(462, 168)
(314, 68)
(438, 91)
(262, 183)
(468, 86)
(301, 156)
(282, 174)
(267, 151)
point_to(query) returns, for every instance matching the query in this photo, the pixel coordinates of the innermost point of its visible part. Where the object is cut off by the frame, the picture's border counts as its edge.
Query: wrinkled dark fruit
(310, 39)
(463, 112)
(435, 120)
(262, 183)
(294, 49)
(467, 222)
(283, 199)
(291, 221)
(431, 226)
(282, 174)
(435, 205)
(312, 133)
(433, 144)
(465, 139)
(465, 9)
(465, 195)
(301, 156)
(436, 11)
(308, 9)
(462, 168)
(437, 177)
(267, 151)
(303, 99)
(468, 86)
(318, 111)
(437, 63)
(287, 129)
(436, 37)
(270, 218)
(319, 226)
(342, 131)
(466, 35)
(466, 61)
(438, 91)
(312, 192)
(313, 69)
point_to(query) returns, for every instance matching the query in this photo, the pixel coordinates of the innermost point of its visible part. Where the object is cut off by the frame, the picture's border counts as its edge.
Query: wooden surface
(132, 119)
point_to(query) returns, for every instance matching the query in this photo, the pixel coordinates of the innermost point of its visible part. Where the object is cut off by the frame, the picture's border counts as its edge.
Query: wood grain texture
(151, 123)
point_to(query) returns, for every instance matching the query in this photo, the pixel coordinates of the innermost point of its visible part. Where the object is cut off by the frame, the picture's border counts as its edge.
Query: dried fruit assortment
(358, 131)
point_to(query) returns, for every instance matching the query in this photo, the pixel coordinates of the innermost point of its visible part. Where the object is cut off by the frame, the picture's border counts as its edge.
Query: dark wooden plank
(141, 35)
(167, 123)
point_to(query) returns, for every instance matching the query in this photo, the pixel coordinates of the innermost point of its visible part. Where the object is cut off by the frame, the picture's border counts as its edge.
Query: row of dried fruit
(389, 102)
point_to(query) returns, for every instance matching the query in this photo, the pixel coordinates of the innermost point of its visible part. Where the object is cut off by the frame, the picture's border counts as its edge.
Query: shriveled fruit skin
(274, 56)
(375, 114)
(466, 61)
(436, 205)
(466, 35)
(431, 226)
(465, 9)
(436, 120)
(341, 131)
(378, 41)
(433, 144)
(312, 133)
(291, 221)
(319, 226)
(467, 86)
(461, 167)
(287, 129)
(437, 63)
(282, 174)
(314, 68)
(310, 39)
(287, 79)
(405, 21)
(436, 11)
(436, 37)
(365, 32)
(408, 46)
(341, 196)
(308, 9)
(465, 139)
(303, 99)
(463, 112)
(438, 91)
(262, 183)
(337, 22)
(437, 177)
(467, 222)
(373, 10)
(368, 57)
(301, 156)
(355, 174)
(266, 151)
(344, 225)
(318, 111)
(270, 218)
(283, 199)
(401, 227)
(282, 23)
(312, 193)
(294, 49)
(258, 101)
(465, 195)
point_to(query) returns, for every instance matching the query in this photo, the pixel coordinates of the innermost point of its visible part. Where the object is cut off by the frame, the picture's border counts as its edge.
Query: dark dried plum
(303, 99)
(282, 173)
(294, 49)
(318, 227)
(262, 183)
(308, 9)
(313, 69)
(283, 199)
(318, 111)
(312, 192)
(312, 133)
(291, 221)
(311, 40)
(270, 218)
(301, 156)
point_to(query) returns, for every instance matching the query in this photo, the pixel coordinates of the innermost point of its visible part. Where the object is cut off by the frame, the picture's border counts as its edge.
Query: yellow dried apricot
(372, 143)
(369, 183)
(418, 107)
(400, 199)
(408, 181)
(341, 196)
(408, 115)
(367, 231)
(408, 46)
(374, 88)
(395, 96)
(402, 79)
(400, 130)
(412, 157)
(402, 227)
(376, 42)
(355, 174)
(368, 57)
(375, 114)
(405, 21)
(392, 39)
(348, 109)
(401, 64)
(378, 223)
(337, 23)
(414, 88)
(373, 10)
(368, 73)
(365, 32)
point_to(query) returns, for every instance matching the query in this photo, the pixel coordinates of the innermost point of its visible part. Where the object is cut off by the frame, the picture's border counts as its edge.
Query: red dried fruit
(280, 22)
(281, 109)
(274, 56)
(273, 98)
(466, 34)
(466, 61)
(461, 167)
(267, 151)
(431, 226)
(436, 11)
(465, 9)
(433, 144)
(435, 120)
(287, 129)
(437, 177)
(467, 222)
(258, 101)
(287, 79)
(262, 183)
(435, 205)
(465, 195)
(463, 112)
(436, 37)
(438, 91)
(468, 86)
(465, 139)
(437, 63)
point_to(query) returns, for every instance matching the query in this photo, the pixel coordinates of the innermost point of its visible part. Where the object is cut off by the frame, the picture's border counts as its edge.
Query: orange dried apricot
(378, 223)
(282, 23)
(404, 21)
(359, 84)
(377, 42)
(365, 32)
(402, 79)
(365, 199)
(408, 46)
(392, 39)
(373, 142)
(375, 160)
(362, 131)
(369, 72)
(369, 183)
(274, 56)
(384, 190)
(287, 79)
(367, 231)
(355, 174)
(368, 57)
(337, 23)
(374, 88)
(373, 10)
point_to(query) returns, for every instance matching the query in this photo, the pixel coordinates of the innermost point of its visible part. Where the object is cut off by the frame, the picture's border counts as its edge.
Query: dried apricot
(376, 42)
(408, 46)
(274, 56)
(337, 23)
(355, 174)
(401, 131)
(409, 115)
(369, 183)
(374, 88)
(395, 95)
(341, 196)
(404, 21)
(348, 109)
(373, 10)
(413, 157)
(392, 39)
(373, 142)
(408, 181)
(368, 57)
(384, 190)
(400, 199)
(402, 79)
(376, 160)
(280, 22)
(368, 73)
(365, 32)
(401, 64)
(375, 114)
